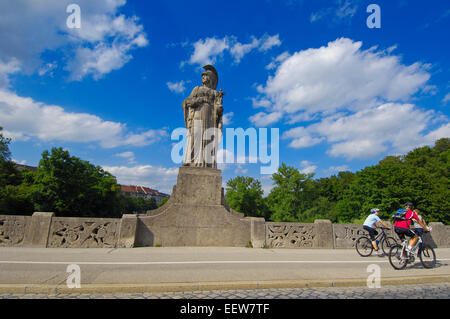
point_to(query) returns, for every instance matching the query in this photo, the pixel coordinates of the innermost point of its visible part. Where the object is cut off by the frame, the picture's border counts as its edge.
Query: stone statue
(203, 112)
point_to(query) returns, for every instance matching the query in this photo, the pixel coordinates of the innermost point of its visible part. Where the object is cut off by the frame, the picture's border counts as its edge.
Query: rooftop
(141, 190)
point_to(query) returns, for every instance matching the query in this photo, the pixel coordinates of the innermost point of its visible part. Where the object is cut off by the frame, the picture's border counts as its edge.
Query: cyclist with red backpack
(403, 219)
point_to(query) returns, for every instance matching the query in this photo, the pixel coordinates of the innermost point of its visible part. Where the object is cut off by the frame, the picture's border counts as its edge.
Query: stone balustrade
(46, 230)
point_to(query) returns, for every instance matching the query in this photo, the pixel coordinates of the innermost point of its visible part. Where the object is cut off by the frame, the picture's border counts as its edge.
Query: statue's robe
(200, 114)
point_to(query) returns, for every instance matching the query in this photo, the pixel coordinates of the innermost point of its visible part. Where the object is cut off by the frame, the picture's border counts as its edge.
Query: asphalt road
(166, 266)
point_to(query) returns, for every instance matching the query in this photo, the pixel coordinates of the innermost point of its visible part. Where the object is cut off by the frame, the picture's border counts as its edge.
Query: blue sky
(343, 95)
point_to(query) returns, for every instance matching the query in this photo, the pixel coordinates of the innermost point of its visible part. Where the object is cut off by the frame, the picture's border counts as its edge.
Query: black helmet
(409, 204)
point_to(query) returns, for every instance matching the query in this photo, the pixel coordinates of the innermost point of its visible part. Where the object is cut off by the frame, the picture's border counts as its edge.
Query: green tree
(15, 200)
(245, 195)
(14, 197)
(321, 208)
(136, 205)
(69, 187)
(421, 177)
(293, 194)
(163, 201)
(5, 154)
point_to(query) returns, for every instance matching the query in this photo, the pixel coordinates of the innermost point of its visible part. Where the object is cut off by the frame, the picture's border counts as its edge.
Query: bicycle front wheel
(397, 258)
(427, 256)
(364, 246)
(387, 244)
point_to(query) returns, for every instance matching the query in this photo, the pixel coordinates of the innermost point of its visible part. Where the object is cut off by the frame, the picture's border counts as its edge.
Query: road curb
(208, 286)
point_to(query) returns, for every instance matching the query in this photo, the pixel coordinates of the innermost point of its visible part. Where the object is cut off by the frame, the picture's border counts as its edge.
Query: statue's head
(210, 78)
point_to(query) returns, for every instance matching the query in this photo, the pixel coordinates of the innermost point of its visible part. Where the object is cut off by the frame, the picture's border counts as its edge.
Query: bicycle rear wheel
(427, 256)
(364, 246)
(396, 258)
(387, 244)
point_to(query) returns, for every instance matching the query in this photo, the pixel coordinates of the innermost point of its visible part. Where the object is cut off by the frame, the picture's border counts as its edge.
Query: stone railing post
(258, 232)
(36, 234)
(324, 234)
(128, 230)
(439, 236)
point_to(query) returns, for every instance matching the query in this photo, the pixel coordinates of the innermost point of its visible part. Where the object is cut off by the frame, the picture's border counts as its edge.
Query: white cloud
(440, 132)
(337, 169)
(239, 50)
(160, 178)
(268, 42)
(262, 119)
(276, 61)
(207, 50)
(356, 97)
(346, 9)
(101, 45)
(308, 169)
(23, 162)
(360, 148)
(47, 69)
(340, 11)
(261, 103)
(98, 61)
(305, 163)
(368, 133)
(301, 137)
(226, 118)
(24, 118)
(446, 98)
(6, 69)
(340, 76)
(240, 169)
(177, 87)
(129, 156)
(125, 154)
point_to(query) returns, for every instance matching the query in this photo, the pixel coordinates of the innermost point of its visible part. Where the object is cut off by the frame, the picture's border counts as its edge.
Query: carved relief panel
(290, 235)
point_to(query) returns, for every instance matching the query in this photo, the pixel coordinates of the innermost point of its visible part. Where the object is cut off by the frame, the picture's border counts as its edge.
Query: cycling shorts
(372, 232)
(401, 232)
(419, 231)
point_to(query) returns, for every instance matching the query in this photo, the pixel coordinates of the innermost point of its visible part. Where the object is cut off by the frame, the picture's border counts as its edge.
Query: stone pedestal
(196, 215)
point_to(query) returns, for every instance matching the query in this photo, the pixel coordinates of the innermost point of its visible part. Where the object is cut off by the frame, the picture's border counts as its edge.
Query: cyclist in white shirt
(418, 229)
(368, 225)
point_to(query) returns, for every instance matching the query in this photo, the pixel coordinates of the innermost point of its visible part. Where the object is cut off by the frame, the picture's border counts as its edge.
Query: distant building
(144, 192)
(22, 167)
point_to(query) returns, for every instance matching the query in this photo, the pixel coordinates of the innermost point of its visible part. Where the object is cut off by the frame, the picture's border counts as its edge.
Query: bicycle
(365, 248)
(399, 256)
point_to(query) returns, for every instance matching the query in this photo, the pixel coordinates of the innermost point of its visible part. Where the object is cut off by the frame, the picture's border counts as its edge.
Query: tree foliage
(244, 194)
(420, 177)
(5, 154)
(290, 194)
(136, 205)
(69, 186)
(65, 185)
